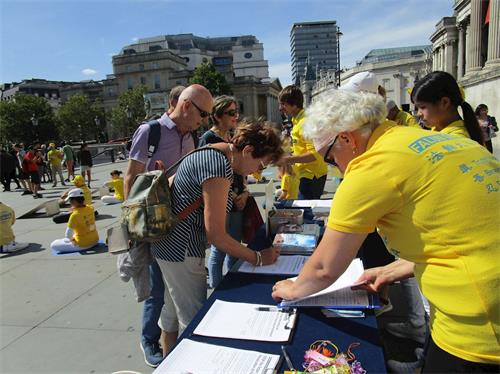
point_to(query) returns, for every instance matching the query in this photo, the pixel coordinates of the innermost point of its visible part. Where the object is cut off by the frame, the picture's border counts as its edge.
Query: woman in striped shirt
(208, 174)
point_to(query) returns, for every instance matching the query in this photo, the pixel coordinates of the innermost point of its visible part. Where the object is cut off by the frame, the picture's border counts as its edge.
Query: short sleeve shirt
(172, 146)
(434, 198)
(55, 157)
(6, 222)
(117, 185)
(82, 222)
(188, 238)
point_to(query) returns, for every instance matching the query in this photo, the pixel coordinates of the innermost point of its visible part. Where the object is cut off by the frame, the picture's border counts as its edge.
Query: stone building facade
(467, 45)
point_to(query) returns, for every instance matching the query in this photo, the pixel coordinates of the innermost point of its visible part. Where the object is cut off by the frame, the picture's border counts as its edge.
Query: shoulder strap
(183, 214)
(153, 137)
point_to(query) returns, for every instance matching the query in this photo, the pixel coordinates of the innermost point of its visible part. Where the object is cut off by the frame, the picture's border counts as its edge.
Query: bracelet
(259, 258)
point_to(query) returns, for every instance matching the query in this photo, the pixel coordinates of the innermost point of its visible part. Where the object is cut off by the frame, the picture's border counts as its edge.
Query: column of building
(475, 36)
(461, 49)
(494, 35)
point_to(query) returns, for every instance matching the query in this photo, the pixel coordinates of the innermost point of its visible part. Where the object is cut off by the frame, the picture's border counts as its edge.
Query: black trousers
(311, 189)
(440, 361)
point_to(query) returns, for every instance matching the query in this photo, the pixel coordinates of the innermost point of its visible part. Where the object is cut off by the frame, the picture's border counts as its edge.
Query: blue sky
(74, 39)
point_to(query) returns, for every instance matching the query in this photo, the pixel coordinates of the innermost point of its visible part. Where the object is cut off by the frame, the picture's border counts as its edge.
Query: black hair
(438, 84)
(79, 199)
(479, 108)
(115, 172)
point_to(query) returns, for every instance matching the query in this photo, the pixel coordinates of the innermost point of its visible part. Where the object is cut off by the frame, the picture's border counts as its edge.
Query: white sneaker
(14, 247)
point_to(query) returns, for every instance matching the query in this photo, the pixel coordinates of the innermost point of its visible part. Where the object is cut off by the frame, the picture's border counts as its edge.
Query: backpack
(153, 138)
(147, 212)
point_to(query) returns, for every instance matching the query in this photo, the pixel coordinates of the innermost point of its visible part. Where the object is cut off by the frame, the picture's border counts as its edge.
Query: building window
(143, 81)
(157, 82)
(155, 65)
(242, 107)
(130, 83)
(248, 55)
(141, 67)
(129, 69)
(110, 91)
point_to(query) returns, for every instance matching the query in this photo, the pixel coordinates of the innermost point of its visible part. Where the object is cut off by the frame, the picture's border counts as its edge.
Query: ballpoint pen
(287, 358)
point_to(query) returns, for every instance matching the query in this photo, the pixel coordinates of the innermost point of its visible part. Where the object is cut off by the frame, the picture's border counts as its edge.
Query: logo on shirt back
(421, 144)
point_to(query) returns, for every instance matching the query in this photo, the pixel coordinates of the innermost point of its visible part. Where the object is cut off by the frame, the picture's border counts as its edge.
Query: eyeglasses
(327, 154)
(232, 113)
(203, 114)
(262, 166)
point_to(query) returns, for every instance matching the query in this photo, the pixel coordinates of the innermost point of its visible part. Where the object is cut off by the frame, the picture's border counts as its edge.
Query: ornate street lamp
(339, 34)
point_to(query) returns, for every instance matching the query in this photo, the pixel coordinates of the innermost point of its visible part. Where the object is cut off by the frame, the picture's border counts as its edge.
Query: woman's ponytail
(471, 123)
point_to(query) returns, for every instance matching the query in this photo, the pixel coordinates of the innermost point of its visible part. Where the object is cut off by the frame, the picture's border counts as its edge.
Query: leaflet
(246, 321)
(286, 265)
(194, 357)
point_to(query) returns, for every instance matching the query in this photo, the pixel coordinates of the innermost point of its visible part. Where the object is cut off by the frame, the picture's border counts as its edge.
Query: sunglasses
(203, 114)
(327, 154)
(232, 113)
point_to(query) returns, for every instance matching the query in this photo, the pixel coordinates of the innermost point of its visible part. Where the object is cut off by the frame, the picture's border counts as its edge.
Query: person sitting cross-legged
(116, 183)
(8, 243)
(81, 232)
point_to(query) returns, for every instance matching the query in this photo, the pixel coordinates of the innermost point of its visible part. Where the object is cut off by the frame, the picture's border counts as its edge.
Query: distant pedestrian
(488, 125)
(17, 167)
(7, 166)
(69, 159)
(86, 162)
(23, 176)
(55, 157)
(30, 167)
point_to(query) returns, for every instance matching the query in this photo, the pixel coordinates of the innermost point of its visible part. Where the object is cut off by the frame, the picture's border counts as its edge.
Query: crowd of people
(424, 186)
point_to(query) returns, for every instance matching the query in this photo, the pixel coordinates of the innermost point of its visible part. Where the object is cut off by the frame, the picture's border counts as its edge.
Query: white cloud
(135, 39)
(283, 71)
(89, 72)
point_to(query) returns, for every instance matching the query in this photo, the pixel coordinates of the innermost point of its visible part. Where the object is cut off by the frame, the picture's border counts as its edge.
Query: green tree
(207, 76)
(129, 113)
(27, 118)
(76, 119)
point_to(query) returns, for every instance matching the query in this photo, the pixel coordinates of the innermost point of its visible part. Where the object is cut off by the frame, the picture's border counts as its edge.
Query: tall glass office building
(318, 40)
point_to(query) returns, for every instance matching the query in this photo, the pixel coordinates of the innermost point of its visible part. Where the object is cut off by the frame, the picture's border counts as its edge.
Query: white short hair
(337, 111)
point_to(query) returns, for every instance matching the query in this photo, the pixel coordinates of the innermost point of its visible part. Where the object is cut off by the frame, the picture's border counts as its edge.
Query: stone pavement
(72, 314)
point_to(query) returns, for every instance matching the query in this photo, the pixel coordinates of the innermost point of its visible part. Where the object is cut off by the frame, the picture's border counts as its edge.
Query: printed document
(287, 265)
(247, 321)
(195, 358)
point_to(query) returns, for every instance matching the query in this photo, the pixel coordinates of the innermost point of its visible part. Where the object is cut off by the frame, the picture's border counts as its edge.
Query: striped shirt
(188, 238)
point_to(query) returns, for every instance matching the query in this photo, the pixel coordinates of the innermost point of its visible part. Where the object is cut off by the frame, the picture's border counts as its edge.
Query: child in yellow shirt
(81, 232)
(115, 183)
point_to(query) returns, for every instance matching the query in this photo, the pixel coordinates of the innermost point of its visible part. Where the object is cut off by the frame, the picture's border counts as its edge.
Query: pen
(287, 358)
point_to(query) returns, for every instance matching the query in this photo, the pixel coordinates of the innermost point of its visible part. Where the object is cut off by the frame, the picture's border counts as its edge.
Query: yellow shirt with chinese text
(435, 199)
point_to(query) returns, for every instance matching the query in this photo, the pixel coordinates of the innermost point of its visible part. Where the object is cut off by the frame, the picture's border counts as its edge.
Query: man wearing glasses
(309, 166)
(192, 110)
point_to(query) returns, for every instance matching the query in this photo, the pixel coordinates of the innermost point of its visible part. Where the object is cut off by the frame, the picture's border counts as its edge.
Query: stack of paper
(246, 321)
(338, 294)
(285, 265)
(193, 357)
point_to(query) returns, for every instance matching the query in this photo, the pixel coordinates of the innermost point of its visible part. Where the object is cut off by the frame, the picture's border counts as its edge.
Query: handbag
(252, 220)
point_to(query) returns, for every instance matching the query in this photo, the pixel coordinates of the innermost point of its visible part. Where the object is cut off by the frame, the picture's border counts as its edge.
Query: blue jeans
(152, 306)
(217, 258)
(311, 189)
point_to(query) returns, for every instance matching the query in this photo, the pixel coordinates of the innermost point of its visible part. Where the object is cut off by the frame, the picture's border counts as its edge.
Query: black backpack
(153, 138)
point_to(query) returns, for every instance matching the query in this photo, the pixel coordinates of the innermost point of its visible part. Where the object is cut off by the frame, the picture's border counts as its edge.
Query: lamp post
(34, 122)
(128, 111)
(97, 122)
(339, 34)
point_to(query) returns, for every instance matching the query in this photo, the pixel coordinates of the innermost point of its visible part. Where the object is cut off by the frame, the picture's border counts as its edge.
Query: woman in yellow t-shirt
(115, 183)
(79, 182)
(434, 199)
(81, 232)
(437, 101)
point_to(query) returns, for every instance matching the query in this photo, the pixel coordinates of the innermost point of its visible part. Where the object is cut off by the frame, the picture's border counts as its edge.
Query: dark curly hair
(262, 136)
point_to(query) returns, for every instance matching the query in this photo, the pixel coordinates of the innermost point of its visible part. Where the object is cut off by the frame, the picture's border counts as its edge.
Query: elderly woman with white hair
(435, 200)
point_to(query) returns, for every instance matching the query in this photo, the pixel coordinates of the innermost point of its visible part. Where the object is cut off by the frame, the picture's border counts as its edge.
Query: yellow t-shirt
(456, 128)
(7, 219)
(300, 146)
(87, 195)
(435, 199)
(82, 222)
(55, 157)
(290, 184)
(117, 185)
(405, 119)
